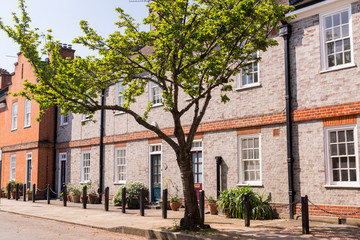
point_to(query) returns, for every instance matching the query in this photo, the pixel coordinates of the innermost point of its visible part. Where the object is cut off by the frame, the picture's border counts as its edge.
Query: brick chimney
(5, 78)
(66, 50)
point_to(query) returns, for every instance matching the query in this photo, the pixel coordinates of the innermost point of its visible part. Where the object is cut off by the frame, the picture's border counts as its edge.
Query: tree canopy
(195, 47)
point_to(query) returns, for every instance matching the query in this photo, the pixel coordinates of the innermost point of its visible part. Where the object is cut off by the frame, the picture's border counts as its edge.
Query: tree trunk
(191, 218)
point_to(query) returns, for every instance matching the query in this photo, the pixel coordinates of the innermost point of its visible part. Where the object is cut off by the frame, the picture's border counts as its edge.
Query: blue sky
(63, 18)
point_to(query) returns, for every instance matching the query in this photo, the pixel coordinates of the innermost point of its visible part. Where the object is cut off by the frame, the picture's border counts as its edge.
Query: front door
(62, 174)
(28, 174)
(198, 171)
(155, 177)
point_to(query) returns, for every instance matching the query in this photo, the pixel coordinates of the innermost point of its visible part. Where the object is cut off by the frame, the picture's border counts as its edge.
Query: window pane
(339, 59)
(252, 165)
(333, 148)
(336, 20)
(328, 34)
(328, 22)
(336, 32)
(331, 60)
(343, 161)
(257, 165)
(200, 178)
(255, 77)
(256, 142)
(335, 162)
(251, 143)
(252, 176)
(256, 153)
(338, 45)
(342, 150)
(350, 148)
(345, 31)
(251, 154)
(250, 78)
(247, 165)
(244, 154)
(257, 176)
(247, 176)
(349, 135)
(336, 176)
(352, 162)
(244, 143)
(344, 175)
(347, 57)
(333, 137)
(352, 175)
(344, 17)
(330, 47)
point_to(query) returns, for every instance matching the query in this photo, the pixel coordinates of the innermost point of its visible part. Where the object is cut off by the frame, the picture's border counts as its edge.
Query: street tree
(195, 47)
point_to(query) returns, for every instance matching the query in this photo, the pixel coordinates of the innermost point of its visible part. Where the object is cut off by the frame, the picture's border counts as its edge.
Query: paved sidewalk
(153, 226)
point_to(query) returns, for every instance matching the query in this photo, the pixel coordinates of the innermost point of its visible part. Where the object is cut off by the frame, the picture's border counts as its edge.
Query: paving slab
(152, 225)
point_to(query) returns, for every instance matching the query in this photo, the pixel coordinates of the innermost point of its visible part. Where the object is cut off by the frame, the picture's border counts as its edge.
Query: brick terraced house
(290, 128)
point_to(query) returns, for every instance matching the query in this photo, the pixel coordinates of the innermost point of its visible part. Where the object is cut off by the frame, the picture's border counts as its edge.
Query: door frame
(198, 149)
(59, 169)
(27, 168)
(161, 167)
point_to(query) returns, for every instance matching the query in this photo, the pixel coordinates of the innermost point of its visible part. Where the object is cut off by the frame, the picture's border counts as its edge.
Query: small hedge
(232, 202)
(132, 194)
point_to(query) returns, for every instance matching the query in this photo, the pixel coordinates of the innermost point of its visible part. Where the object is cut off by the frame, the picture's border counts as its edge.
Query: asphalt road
(17, 227)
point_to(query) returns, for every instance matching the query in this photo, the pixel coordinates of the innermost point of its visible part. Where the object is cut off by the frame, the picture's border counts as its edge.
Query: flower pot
(13, 194)
(75, 198)
(92, 198)
(175, 206)
(213, 208)
(29, 196)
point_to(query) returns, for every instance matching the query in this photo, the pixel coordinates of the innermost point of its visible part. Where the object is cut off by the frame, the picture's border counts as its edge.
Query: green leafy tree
(196, 47)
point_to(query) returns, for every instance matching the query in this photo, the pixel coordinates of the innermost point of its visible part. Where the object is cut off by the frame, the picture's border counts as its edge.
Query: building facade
(250, 133)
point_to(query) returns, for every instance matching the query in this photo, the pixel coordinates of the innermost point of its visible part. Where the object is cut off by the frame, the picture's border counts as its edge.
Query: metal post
(202, 205)
(247, 210)
(24, 192)
(84, 199)
(64, 196)
(33, 193)
(305, 214)
(142, 202)
(17, 192)
(8, 191)
(123, 199)
(164, 203)
(48, 193)
(106, 199)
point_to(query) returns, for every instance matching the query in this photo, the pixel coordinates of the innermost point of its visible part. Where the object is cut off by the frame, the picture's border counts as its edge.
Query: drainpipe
(285, 32)
(218, 176)
(101, 153)
(55, 139)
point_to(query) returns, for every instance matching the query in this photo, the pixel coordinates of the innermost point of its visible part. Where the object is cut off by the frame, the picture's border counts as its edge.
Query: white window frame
(27, 113)
(239, 77)
(242, 181)
(328, 163)
(83, 180)
(12, 167)
(323, 49)
(64, 119)
(14, 115)
(153, 86)
(118, 165)
(85, 117)
(119, 97)
(197, 146)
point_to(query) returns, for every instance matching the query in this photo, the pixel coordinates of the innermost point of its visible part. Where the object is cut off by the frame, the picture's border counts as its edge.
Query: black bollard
(202, 205)
(8, 191)
(48, 193)
(142, 202)
(247, 210)
(164, 203)
(64, 196)
(33, 193)
(106, 203)
(305, 214)
(24, 192)
(17, 192)
(84, 199)
(123, 199)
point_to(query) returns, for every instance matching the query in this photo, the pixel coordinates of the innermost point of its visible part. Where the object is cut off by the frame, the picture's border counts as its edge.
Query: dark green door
(155, 177)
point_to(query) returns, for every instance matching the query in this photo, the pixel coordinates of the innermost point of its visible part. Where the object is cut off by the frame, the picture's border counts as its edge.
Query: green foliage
(211, 200)
(232, 200)
(13, 183)
(132, 194)
(74, 189)
(91, 187)
(174, 198)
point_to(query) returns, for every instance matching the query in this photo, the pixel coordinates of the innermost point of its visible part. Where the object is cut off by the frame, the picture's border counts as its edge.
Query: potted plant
(29, 194)
(175, 203)
(132, 195)
(75, 191)
(92, 194)
(3, 192)
(11, 186)
(212, 206)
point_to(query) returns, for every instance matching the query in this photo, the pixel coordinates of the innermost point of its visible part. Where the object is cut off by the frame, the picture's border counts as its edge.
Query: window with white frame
(120, 89)
(14, 113)
(85, 167)
(27, 114)
(64, 120)
(249, 74)
(336, 39)
(12, 167)
(249, 159)
(120, 165)
(85, 117)
(197, 161)
(341, 156)
(155, 93)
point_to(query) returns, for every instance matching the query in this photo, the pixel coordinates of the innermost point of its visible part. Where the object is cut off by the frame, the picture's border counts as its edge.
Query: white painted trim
(323, 54)
(59, 170)
(82, 167)
(198, 149)
(239, 80)
(10, 175)
(26, 166)
(161, 168)
(328, 173)
(115, 180)
(240, 162)
(318, 8)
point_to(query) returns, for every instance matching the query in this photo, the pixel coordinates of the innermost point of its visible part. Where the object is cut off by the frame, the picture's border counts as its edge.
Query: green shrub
(132, 194)
(174, 198)
(232, 201)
